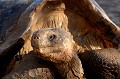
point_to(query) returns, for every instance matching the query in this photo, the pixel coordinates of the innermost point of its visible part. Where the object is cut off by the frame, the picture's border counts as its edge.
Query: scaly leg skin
(33, 67)
(101, 64)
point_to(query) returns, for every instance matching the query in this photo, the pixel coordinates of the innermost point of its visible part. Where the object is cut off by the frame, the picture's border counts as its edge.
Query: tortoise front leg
(33, 67)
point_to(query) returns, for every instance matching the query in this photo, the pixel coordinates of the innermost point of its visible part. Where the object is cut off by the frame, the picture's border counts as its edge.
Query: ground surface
(112, 8)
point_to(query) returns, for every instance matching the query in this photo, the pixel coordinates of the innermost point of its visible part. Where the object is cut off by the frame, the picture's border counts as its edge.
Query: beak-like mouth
(48, 49)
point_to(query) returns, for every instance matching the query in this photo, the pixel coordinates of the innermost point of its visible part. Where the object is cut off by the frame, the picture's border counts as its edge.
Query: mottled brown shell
(87, 22)
(84, 19)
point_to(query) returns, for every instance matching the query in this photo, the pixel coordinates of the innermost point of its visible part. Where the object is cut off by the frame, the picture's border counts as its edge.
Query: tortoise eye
(52, 37)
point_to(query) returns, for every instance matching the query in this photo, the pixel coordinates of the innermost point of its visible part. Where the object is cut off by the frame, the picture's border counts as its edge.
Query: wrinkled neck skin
(58, 56)
(71, 69)
(66, 61)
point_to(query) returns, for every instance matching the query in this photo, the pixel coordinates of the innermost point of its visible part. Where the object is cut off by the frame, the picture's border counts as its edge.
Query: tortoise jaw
(48, 49)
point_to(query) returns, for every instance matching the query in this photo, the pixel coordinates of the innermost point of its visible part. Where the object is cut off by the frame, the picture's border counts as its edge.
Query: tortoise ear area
(75, 48)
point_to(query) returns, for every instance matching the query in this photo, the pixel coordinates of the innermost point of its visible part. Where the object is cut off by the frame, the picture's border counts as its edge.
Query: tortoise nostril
(36, 37)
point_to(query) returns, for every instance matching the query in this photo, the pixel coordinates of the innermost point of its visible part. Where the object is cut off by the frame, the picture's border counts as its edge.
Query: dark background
(112, 8)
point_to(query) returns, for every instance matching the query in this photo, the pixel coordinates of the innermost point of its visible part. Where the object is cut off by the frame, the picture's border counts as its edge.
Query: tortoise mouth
(49, 49)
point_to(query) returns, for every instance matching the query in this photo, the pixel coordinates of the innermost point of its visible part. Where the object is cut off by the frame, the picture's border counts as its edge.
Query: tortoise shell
(85, 20)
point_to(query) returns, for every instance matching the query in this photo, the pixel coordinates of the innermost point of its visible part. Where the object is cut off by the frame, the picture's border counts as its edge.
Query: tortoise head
(52, 40)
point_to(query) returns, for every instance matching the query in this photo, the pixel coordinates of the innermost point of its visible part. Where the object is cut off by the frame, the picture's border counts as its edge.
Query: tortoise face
(51, 40)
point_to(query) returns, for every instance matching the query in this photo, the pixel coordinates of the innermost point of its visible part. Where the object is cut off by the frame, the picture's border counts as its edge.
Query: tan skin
(56, 45)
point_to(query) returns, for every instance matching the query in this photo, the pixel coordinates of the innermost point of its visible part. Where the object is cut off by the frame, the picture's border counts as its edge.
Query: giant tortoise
(89, 25)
